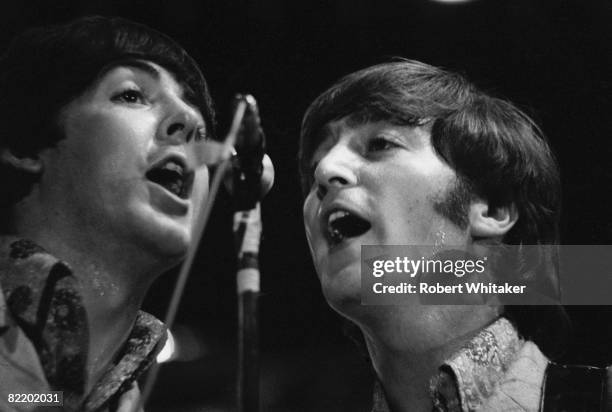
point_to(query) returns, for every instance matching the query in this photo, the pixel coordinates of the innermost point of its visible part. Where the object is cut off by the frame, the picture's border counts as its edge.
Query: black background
(551, 57)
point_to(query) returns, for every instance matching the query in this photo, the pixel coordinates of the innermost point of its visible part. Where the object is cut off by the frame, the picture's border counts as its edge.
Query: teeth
(336, 235)
(334, 232)
(342, 224)
(171, 166)
(336, 215)
(176, 188)
(172, 176)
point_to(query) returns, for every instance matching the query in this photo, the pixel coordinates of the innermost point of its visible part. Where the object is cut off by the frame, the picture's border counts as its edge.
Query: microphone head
(267, 177)
(265, 183)
(252, 171)
(250, 140)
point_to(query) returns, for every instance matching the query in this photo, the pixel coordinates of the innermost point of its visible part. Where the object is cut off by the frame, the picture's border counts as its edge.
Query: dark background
(552, 58)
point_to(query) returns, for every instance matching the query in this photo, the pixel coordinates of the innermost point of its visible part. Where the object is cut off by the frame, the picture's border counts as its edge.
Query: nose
(180, 124)
(336, 169)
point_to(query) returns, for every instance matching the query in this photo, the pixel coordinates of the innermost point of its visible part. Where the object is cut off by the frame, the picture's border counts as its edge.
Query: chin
(165, 239)
(343, 292)
(174, 246)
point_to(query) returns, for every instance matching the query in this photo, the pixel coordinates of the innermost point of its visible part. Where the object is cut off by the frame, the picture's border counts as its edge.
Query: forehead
(144, 71)
(350, 129)
(154, 79)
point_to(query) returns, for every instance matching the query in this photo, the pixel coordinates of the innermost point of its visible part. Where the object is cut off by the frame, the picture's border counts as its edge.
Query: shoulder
(19, 362)
(521, 387)
(534, 383)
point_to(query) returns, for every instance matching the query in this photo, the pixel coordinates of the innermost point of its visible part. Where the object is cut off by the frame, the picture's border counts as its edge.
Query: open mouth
(172, 174)
(342, 224)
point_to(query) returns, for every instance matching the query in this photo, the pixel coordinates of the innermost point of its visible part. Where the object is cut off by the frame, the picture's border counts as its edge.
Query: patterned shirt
(495, 371)
(44, 335)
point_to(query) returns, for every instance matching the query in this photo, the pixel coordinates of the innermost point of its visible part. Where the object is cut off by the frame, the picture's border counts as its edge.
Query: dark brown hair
(45, 68)
(497, 151)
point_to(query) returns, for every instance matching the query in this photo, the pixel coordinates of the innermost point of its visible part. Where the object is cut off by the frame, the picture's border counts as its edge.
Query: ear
(490, 222)
(25, 163)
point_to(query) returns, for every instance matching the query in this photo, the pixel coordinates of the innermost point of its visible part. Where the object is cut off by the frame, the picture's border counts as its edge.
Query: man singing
(102, 121)
(405, 153)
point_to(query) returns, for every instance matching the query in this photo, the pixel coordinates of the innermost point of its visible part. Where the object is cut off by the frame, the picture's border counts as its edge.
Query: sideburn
(456, 203)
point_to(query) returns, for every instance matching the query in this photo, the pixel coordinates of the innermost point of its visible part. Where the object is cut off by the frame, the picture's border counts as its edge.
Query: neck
(404, 378)
(113, 282)
(407, 348)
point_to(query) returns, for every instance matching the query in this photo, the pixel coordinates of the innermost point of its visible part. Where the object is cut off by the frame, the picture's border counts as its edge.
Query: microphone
(252, 172)
(251, 177)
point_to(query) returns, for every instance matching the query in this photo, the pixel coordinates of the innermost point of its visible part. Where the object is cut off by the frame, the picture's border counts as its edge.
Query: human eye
(130, 96)
(380, 144)
(200, 134)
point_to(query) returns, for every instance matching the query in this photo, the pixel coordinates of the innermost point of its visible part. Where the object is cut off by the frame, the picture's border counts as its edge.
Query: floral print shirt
(44, 335)
(495, 371)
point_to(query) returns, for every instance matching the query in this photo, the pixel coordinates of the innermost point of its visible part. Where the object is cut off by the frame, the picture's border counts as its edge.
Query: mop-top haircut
(45, 68)
(498, 153)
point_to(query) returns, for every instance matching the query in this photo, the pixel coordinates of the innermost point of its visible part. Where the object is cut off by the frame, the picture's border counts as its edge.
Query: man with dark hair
(103, 123)
(405, 153)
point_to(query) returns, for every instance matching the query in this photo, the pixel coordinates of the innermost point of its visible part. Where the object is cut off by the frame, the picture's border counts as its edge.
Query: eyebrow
(138, 64)
(187, 93)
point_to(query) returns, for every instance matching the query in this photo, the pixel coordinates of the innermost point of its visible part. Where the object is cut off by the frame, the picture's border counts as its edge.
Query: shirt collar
(43, 297)
(478, 366)
(469, 377)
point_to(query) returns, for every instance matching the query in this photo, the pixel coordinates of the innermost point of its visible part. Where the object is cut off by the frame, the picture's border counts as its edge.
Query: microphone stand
(246, 188)
(222, 153)
(247, 232)
(246, 191)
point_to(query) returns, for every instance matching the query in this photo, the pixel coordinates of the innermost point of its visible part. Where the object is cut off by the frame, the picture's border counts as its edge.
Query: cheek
(414, 179)
(112, 135)
(405, 198)
(107, 156)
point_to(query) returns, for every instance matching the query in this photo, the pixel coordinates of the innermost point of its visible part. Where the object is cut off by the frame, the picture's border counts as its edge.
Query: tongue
(170, 180)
